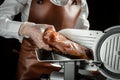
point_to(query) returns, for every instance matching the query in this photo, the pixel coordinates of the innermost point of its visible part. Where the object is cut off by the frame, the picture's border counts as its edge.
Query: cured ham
(60, 43)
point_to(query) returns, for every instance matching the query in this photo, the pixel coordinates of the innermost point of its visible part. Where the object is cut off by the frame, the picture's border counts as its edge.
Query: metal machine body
(106, 48)
(108, 52)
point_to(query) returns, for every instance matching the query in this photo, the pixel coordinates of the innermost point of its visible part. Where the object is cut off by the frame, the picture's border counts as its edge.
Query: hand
(35, 32)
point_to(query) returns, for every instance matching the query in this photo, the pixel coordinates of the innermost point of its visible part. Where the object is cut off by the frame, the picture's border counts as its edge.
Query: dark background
(9, 49)
(102, 15)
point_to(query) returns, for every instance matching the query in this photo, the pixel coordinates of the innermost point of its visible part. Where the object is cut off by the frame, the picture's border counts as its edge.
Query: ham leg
(61, 44)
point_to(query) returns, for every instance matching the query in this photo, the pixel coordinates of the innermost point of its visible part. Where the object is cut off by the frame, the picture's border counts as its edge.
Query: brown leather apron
(43, 13)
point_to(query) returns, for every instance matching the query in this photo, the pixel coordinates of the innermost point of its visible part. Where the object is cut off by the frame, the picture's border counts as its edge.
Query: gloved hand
(35, 32)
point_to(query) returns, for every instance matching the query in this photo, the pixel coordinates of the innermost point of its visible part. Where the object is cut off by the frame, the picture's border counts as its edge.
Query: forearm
(8, 27)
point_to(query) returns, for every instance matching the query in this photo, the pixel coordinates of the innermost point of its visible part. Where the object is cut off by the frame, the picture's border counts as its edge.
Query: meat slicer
(106, 48)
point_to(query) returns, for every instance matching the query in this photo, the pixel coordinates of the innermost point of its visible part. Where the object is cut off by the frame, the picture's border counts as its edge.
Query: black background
(9, 49)
(102, 15)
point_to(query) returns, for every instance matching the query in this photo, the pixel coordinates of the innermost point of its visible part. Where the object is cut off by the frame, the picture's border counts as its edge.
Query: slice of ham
(61, 44)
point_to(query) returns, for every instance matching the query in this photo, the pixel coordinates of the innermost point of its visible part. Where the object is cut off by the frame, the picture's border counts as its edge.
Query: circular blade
(108, 52)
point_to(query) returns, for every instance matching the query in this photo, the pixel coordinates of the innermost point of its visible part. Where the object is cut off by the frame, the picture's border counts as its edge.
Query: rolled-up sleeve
(8, 27)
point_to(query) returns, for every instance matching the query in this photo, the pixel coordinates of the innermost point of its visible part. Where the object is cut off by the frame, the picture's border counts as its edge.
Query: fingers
(35, 32)
(43, 27)
(27, 28)
(37, 35)
(41, 45)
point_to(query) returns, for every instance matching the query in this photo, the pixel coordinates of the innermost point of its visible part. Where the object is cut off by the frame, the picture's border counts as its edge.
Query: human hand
(35, 32)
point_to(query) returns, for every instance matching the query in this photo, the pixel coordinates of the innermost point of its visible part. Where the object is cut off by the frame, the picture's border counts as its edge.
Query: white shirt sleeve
(82, 22)
(8, 27)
